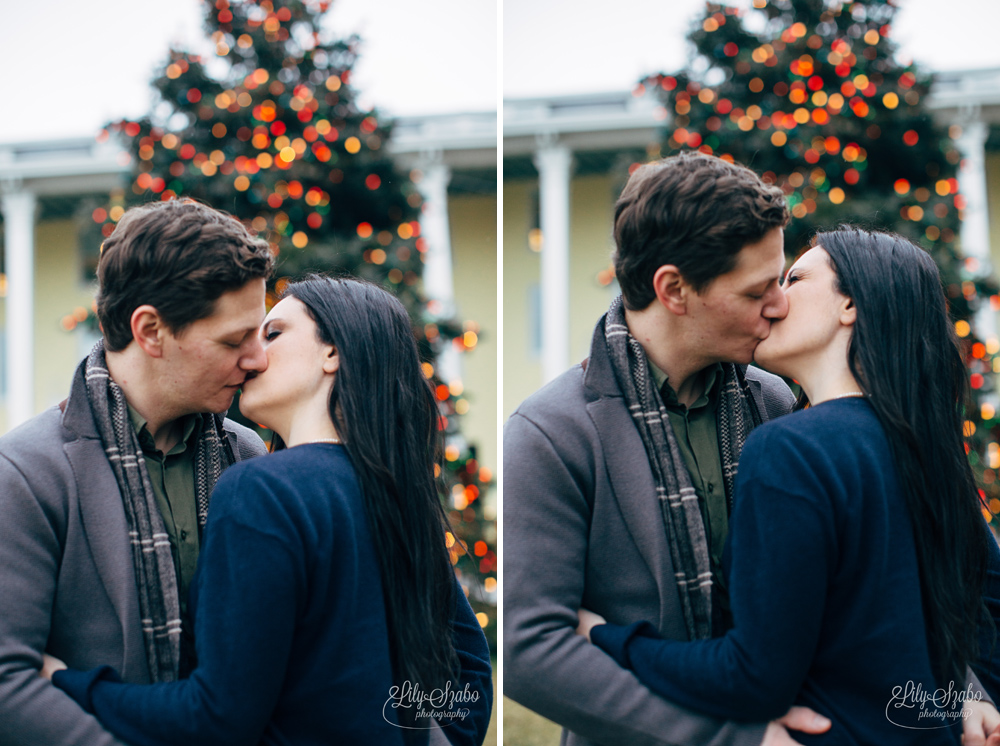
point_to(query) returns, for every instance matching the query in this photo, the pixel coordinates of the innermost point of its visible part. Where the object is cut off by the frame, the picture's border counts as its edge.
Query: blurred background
(356, 136)
(885, 114)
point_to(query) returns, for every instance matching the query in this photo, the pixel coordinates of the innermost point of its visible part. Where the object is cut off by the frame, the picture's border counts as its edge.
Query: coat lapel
(632, 481)
(104, 523)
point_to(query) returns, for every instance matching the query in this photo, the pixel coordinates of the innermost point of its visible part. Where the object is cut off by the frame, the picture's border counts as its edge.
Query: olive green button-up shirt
(697, 434)
(172, 477)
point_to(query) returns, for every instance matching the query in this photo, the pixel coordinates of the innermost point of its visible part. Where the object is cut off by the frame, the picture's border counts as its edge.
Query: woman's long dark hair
(387, 417)
(905, 356)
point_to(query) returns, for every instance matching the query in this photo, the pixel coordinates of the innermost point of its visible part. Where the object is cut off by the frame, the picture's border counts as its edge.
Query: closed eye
(271, 334)
(790, 279)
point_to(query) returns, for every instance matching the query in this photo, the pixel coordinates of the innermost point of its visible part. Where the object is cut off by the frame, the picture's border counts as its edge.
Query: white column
(438, 278)
(975, 221)
(19, 222)
(554, 163)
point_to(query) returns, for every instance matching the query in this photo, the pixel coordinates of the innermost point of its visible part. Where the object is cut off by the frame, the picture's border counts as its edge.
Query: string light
(821, 108)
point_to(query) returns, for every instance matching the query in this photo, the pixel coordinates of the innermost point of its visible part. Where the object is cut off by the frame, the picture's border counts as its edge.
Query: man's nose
(776, 307)
(254, 359)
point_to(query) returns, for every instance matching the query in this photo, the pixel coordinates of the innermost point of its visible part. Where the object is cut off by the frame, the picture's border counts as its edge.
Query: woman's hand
(50, 664)
(588, 620)
(797, 718)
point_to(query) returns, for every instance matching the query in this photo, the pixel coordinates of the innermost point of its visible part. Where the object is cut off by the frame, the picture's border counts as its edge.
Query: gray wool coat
(67, 584)
(582, 528)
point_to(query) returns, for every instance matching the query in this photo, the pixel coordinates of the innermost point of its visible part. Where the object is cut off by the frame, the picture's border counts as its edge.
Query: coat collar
(77, 417)
(599, 377)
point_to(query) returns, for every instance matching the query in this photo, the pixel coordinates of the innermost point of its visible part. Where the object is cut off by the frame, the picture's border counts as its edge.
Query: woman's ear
(331, 363)
(848, 312)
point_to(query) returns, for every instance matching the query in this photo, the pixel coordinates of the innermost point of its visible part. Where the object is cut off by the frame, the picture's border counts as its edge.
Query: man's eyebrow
(243, 332)
(765, 283)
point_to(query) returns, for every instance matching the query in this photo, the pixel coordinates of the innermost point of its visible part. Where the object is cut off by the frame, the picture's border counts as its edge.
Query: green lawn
(522, 727)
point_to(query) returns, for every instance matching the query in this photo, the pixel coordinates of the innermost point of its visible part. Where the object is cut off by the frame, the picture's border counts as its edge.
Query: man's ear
(331, 363)
(148, 330)
(671, 289)
(848, 312)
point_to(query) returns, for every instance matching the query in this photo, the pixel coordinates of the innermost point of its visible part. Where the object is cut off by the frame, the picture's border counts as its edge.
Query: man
(98, 545)
(607, 507)
(103, 498)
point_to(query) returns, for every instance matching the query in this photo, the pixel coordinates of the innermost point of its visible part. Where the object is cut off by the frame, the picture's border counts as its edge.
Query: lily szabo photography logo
(444, 705)
(914, 707)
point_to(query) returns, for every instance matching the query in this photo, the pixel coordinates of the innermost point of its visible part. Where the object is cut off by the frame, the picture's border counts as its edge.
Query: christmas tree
(270, 130)
(809, 94)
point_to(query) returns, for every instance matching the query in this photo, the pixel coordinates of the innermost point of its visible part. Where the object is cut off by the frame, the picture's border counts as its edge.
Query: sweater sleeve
(473, 701)
(249, 585)
(987, 667)
(782, 547)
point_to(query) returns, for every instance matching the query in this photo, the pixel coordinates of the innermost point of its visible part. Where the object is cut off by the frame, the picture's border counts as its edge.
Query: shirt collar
(713, 380)
(189, 423)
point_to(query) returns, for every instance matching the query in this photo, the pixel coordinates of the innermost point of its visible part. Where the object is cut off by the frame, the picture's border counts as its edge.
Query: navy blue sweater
(290, 625)
(825, 592)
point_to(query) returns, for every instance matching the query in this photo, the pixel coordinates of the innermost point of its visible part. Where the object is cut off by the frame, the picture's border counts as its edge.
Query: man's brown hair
(178, 256)
(694, 211)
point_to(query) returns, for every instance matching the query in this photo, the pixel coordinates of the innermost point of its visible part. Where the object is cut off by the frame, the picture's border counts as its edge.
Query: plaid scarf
(156, 580)
(678, 500)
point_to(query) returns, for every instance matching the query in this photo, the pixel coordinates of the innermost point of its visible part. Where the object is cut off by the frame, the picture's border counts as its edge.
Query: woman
(857, 551)
(325, 604)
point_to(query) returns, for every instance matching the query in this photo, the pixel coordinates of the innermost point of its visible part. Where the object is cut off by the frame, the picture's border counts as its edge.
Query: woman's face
(815, 317)
(299, 368)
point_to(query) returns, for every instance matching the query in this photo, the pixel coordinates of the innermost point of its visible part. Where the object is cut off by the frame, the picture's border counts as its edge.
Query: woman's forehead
(813, 257)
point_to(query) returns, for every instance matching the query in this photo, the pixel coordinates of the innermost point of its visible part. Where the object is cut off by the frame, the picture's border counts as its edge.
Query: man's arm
(547, 667)
(32, 711)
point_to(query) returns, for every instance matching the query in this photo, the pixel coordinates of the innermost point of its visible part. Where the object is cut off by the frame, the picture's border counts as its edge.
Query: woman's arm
(475, 708)
(782, 549)
(249, 585)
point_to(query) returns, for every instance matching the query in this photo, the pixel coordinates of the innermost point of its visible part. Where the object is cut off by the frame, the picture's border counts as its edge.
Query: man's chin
(223, 404)
(744, 358)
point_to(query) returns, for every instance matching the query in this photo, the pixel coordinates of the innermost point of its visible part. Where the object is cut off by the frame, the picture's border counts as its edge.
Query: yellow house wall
(591, 245)
(521, 269)
(473, 221)
(592, 201)
(58, 291)
(993, 200)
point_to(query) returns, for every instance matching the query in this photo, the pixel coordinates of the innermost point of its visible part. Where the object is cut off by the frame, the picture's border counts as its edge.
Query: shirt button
(184, 535)
(711, 487)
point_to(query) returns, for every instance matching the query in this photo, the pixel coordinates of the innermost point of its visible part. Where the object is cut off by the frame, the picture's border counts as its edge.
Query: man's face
(734, 313)
(206, 363)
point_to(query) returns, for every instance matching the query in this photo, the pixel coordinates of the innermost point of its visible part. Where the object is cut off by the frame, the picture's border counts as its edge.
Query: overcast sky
(610, 45)
(71, 65)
